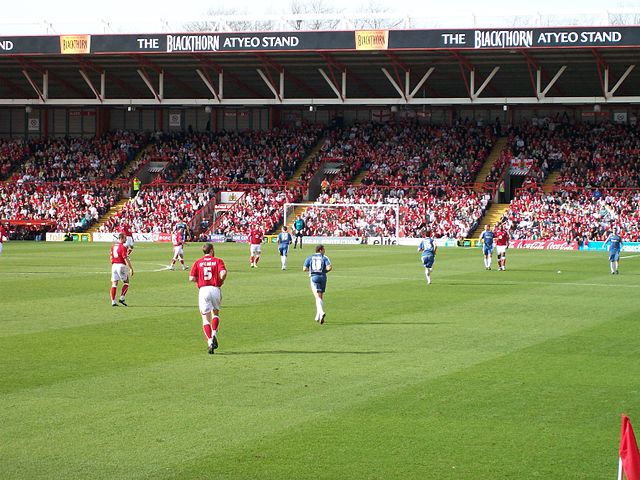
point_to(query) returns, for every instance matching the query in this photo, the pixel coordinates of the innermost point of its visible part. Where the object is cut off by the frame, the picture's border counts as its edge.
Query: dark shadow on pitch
(304, 352)
(392, 323)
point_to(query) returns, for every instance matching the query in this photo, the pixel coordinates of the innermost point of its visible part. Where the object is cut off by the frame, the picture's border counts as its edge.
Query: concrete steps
(550, 181)
(359, 177)
(107, 216)
(491, 217)
(313, 153)
(493, 157)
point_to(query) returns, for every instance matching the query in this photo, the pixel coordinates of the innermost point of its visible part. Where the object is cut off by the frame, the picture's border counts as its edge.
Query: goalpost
(289, 208)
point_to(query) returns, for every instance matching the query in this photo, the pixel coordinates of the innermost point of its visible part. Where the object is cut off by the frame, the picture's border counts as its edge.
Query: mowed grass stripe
(279, 373)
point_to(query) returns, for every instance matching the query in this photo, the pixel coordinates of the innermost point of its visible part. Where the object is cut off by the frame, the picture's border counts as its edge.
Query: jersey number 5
(206, 273)
(114, 251)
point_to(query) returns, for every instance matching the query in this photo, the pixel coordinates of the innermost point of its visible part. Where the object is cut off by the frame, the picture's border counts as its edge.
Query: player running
(255, 241)
(298, 231)
(126, 230)
(428, 249)
(615, 246)
(121, 270)
(502, 244)
(486, 238)
(209, 273)
(177, 238)
(318, 265)
(284, 240)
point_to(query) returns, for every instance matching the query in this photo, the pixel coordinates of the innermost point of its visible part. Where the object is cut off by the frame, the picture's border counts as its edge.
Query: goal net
(346, 219)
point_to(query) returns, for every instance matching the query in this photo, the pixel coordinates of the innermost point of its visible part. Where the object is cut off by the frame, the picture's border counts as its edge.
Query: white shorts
(255, 249)
(177, 251)
(119, 272)
(0, 247)
(129, 242)
(501, 249)
(209, 299)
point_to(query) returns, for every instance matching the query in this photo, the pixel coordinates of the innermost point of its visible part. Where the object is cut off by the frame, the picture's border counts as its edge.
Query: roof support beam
(610, 93)
(339, 93)
(35, 87)
(477, 93)
(278, 94)
(147, 81)
(394, 83)
(421, 82)
(543, 93)
(98, 95)
(204, 76)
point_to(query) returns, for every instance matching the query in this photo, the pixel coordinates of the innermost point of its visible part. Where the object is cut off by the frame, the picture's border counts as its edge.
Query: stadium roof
(579, 65)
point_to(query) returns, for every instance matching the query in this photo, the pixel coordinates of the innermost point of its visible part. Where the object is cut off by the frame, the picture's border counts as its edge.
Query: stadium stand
(447, 211)
(573, 215)
(259, 208)
(79, 159)
(73, 206)
(249, 157)
(159, 208)
(12, 154)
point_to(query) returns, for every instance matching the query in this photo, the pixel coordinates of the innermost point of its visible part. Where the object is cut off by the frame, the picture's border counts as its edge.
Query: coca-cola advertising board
(544, 244)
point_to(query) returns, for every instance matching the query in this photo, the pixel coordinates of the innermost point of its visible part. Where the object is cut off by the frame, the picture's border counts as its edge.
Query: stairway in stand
(306, 160)
(359, 177)
(112, 211)
(133, 164)
(490, 217)
(549, 182)
(493, 157)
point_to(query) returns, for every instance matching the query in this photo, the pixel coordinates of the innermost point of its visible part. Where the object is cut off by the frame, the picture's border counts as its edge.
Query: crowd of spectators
(574, 214)
(451, 212)
(603, 156)
(406, 153)
(249, 157)
(71, 207)
(259, 208)
(79, 159)
(12, 153)
(160, 208)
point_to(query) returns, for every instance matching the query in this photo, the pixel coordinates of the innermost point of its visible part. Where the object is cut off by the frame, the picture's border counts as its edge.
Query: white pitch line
(104, 272)
(630, 256)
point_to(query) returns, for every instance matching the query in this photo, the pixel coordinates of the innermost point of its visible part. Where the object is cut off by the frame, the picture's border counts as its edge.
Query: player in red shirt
(502, 243)
(209, 273)
(4, 235)
(126, 230)
(177, 238)
(255, 240)
(121, 269)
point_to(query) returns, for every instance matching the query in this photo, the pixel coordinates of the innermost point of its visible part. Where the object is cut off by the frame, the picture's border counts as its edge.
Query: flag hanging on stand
(629, 455)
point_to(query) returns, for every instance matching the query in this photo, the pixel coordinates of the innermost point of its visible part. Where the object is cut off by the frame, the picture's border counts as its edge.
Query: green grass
(481, 375)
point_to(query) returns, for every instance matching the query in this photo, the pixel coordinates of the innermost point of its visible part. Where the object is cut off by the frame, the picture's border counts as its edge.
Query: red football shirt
(126, 230)
(207, 271)
(118, 253)
(177, 239)
(255, 238)
(502, 238)
(3, 233)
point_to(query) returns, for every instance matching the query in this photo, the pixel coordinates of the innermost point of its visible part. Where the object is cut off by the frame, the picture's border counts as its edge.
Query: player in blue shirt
(486, 239)
(318, 265)
(284, 240)
(615, 245)
(428, 254)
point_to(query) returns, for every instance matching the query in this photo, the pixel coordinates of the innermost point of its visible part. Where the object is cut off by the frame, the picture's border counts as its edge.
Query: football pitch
(482, 375)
